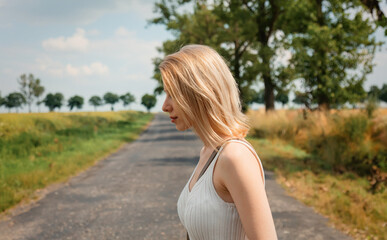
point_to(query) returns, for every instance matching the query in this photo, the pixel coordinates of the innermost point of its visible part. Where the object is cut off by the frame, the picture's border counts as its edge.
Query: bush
(342, 141)
(371, 106)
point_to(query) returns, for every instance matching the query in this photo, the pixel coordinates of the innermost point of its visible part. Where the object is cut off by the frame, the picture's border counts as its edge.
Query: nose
(166, 106)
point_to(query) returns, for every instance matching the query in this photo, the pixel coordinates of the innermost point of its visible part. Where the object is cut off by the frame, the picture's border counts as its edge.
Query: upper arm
(242, 177)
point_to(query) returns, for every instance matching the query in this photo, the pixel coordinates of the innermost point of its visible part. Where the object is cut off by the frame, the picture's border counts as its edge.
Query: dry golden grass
(12, 124)
(290, 125)
(345, 201)
(314, 178)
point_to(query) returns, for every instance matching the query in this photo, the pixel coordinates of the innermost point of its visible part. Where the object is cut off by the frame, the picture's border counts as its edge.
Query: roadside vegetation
(334, 161)
(43, 148)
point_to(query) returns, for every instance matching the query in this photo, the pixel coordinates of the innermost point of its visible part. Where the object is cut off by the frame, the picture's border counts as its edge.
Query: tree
(95, 101)
(374, 92)
(127, 99)
(301, 99)
(238, 30)
(383, 93)
(111, 99)
(53, 101)
(268, 17)
(14, 100)
(2, 100)
(332, 50)
(27, 86)
(256, 97)
(375, 9)
(378, 93)
(38, 91)
(75, 101)
(149, 101)
(282, 97)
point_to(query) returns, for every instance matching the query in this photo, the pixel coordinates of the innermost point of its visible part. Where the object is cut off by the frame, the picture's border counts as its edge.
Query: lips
(173, 119)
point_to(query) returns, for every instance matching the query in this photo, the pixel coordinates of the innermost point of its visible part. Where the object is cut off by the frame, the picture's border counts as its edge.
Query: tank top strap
(248, 145)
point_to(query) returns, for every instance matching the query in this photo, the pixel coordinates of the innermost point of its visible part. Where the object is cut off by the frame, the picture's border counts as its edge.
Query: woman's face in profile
(174, 113)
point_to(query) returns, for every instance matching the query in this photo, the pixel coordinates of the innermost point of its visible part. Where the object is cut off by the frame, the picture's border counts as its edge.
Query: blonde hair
(201, 84)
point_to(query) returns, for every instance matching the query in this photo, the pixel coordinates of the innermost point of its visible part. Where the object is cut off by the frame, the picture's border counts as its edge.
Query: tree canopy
(75, 101)
(127, 99)
(95, 101)
(332, 51)
(53, 101)
(14, 100)
(149, 101)
(331, 44)
(38, 91)
(30, 88)
(111, 98)
(2, 100)
(378, 93)
(383, 93)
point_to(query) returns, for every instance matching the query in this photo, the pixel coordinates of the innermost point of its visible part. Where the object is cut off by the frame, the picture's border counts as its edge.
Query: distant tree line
(31, 91)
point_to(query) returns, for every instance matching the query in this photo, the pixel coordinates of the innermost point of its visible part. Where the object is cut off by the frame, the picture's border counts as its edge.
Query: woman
(229, 200)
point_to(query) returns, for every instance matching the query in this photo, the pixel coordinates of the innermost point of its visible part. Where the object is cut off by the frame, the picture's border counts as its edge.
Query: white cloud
(95, 68)
(73, 71)
(143, 8)
(49, 66)
(127, 47)
(123, 32)
(77, 42)
(93, 32)
(47, 12)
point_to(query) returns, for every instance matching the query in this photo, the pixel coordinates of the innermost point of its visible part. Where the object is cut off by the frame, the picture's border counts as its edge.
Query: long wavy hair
(201, 84)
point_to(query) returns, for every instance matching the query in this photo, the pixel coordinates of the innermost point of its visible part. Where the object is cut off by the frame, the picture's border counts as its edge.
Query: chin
(181, 128)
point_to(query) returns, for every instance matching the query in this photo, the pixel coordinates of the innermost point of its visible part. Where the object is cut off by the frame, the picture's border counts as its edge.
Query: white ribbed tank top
(204, 214)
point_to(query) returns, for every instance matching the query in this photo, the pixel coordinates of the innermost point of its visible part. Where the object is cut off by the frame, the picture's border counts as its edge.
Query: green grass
(40, 149)
(344, 198)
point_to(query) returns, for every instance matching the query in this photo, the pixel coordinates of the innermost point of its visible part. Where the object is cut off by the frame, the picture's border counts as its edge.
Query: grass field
(285, 142)
(39, 149)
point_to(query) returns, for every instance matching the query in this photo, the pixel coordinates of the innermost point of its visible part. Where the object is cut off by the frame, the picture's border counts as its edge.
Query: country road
(132, 194)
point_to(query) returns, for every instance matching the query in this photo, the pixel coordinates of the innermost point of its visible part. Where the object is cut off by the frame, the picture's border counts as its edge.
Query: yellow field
(12, 124)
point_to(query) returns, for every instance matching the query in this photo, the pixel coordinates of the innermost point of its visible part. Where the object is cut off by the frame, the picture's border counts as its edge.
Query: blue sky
(92, 47)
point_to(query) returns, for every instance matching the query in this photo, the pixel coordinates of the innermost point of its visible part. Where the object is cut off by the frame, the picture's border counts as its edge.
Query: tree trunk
(237, 76)
(322, 98)
(265, 23)
(39, 104)
(269, 93)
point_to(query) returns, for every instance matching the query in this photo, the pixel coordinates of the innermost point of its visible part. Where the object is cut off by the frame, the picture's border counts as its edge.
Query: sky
(89, 48)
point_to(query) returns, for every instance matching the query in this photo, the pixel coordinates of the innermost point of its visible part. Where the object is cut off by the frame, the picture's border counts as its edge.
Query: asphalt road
(132, 194)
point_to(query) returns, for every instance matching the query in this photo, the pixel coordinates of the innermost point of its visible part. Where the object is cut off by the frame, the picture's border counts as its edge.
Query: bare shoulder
(236, 154)
(238, 161)
(233, 151)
